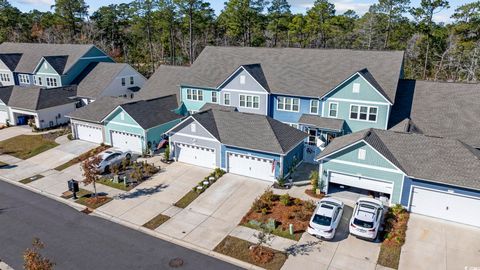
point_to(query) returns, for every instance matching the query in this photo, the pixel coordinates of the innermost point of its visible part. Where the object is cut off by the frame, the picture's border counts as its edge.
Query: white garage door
(251, 166)
(127, 142)
(361, 182)
(3, 117)
(89, 133)
(196, 155)
(448, 206)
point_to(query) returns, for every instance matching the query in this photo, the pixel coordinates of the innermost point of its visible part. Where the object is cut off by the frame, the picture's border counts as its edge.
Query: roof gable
(37, 98)
(10, 60)
(96, 77)
(254, 79)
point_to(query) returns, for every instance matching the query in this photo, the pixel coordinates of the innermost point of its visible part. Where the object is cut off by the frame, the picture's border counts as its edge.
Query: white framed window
(312, 136)
(333, 109)
(363, 113)
(123, 82)
(242, 79)
(292, 125)
(248, 101)
(37, 80)
(314, 106)
(193, 127)
(194, 94)
(362, 154)
(214, 97)
(288, 104)
(4, 77)
(132, 80)
(226, 98)
(356, 88)
(24, 78)
(51, 81)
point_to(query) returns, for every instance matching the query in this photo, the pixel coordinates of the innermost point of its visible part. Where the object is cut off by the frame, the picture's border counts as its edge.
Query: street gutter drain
(175, 263)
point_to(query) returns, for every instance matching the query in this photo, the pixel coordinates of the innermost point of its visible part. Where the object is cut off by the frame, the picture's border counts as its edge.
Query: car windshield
(322, 220)
(363, 224)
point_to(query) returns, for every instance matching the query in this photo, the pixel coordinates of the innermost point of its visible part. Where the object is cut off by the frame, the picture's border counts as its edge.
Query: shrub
(281, 181)
(218, 173)
(166, 154)
(70, 136)
(297, 201)
(285, 199)
(309, 205)
(258, 205)
(264, 211)
(268, 196)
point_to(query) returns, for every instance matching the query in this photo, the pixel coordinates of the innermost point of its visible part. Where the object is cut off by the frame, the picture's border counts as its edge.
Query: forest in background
(148, 33)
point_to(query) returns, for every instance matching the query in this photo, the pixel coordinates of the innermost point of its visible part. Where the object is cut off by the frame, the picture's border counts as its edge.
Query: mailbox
(73, 186)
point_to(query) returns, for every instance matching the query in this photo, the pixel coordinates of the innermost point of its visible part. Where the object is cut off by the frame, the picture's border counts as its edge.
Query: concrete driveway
(216, 212)
(11, 132)
(156, 195)
(21, 169)
(438, 244)
(343, 252)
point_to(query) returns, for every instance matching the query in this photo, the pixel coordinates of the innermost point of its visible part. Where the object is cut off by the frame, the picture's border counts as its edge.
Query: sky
(298, 6)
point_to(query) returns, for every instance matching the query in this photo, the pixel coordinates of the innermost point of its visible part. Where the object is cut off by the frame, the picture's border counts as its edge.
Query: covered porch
(321, 131)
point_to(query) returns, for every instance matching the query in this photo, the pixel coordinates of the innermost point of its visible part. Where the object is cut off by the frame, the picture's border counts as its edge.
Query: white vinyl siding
(363, 113)
(248, 101)
(288, 104)
(314, 106)
(194, 94)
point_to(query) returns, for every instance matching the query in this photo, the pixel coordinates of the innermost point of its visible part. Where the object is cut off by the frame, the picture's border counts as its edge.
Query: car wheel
(107, 169)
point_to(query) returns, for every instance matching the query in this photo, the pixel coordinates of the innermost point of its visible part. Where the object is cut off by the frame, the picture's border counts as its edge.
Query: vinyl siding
(291, 117)
(195, 105)
(128, 125)
(45, 70)
(295, 154)
(154, 135)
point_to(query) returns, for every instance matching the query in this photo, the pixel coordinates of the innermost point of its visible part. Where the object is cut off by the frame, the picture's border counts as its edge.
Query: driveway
(156, 195)
(437, 244)
(216, 212)
(343, 252)
(11, 132)
(47, 160)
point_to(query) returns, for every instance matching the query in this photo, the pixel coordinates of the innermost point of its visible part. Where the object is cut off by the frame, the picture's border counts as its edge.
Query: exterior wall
(116, 89)
(51, 114)
(93, 55)
(74, 127)
(296, 154)
(374, 166)
(45, 70)
(195, 105)
(200, 138)
(17, 79)
(409, 183)
(231, 149)
(4, 69)
(154, 135)
(368, 96)
(5, 108)
(291, 117)
(127, 125)
(251, 87)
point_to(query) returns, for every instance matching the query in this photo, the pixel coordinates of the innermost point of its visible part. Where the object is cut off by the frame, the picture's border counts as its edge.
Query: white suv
(367, 218)
(110, 158)
(326, 218)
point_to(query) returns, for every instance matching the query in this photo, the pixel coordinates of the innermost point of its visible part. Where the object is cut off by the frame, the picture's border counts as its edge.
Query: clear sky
(298, 6)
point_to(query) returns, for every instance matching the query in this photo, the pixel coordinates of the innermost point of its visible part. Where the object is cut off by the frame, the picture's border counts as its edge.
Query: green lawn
(27, 146)
(110, 183)
(156, 221)
(187, 199)
(31, 179)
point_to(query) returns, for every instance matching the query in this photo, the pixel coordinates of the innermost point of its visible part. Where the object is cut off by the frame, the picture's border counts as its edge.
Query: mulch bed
(393, 237)
(240, 249)
(93, 202)
(156, 222)
(313, 194)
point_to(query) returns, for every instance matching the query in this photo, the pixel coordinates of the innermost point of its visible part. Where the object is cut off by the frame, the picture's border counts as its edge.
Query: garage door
(361, 182)
(196, 155)
(89, 133)
(3, 117)
(251, 166)
(127, 142)
(448, 206)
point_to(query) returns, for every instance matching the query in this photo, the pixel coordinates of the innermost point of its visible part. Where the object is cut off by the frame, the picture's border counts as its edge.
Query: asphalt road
(78, 241)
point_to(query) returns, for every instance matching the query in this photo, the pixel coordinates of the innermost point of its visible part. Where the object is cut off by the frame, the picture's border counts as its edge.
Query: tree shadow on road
(141, 192)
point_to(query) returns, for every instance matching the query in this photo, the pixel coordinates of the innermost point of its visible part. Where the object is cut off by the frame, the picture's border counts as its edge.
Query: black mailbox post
(73, 187)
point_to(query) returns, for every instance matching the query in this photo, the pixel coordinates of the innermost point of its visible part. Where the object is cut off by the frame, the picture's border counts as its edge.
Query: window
(37, 80)
(363, 113)
(24, 78)
(226, 99)
(333, 109)
(214, 97)
(242, 79)
(356, 88)
(193, 127)
(4, 77)
(247, 101)
(51, 81)
(132, 80)
(288, 104)
(194, 94)
(361, 154)
(314, 106)
(312, 136)
(123, 82)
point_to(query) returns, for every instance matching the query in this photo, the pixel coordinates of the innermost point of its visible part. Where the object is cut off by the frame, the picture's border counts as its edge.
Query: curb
(4, 266)
(142, 229)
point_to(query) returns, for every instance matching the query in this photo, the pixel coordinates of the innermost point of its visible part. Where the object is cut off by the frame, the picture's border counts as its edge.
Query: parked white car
(367, 218)
(110, 158)
(326, 218)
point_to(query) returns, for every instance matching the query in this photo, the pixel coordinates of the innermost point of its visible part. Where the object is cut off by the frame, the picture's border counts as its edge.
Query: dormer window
(242, 79)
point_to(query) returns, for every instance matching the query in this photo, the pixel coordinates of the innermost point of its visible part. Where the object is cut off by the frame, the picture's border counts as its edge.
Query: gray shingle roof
(424, 157)
(257, 73)
(57, 62)
(96, 111)
(250, 131)
(32, 53)
(165, 81)
(37, 98)
(304, 72)
(333, 124)
(441, 109)
(208, 106)
(5, 93)
(10, 59)
(153, 112)
(96, 77)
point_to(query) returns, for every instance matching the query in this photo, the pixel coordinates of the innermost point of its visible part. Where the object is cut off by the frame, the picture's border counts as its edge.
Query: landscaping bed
(313, 194)
(156, 221)
(240, 249)
(31, 179)
(27, 146)
(393, 236)
(200, 188)
(277, 212)
(128, 174)
(82, 157)
(92, 202)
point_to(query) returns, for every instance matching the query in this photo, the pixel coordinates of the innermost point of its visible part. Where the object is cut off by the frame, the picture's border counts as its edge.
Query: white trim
(229, 99)
(194, 137)
(119, 106)
(353, 75)
(358, 101)
(123, 124)
(181, 122)
(358, 113)
(231, 75)
(246, 107)
(436, 190)
(388, 117)
(318, 106)
(256, 150)
(283, 110)
(197, 95)
(217, 94)
(249, 155)
(336, 114)
(242, 91)
(362, 165)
